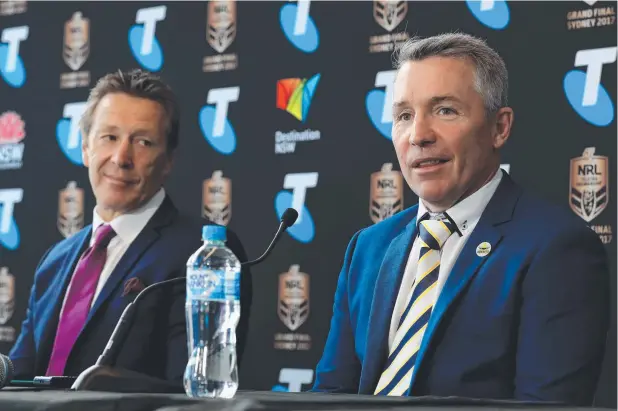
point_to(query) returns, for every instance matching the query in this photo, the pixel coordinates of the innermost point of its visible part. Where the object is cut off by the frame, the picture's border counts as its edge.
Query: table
(16, 399)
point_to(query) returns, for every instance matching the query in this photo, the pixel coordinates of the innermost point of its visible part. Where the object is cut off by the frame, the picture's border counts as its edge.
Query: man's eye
(404, 116)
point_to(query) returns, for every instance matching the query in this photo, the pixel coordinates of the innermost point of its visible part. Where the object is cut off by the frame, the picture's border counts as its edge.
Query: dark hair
(491, 76)
(136, 83)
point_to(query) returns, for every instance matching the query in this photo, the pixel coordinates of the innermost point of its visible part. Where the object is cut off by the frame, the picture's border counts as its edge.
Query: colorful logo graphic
(492, 13)
(68, 135)
(12, 67)
(379, 103)
(215, 125)
(303, 229)
(142, 39)
(584, 90)
(12, 132)
(9, 232)
(294, 95)
(299, 27)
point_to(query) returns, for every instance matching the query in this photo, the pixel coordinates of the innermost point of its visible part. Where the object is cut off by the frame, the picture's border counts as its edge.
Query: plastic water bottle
(212, 310)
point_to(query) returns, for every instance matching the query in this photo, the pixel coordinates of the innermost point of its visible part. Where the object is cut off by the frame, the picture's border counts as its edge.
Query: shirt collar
(467, 212)
(128, 226)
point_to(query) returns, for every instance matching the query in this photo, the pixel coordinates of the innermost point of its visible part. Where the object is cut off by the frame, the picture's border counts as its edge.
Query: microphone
(6, 370)
(287, 220)
(102, 370)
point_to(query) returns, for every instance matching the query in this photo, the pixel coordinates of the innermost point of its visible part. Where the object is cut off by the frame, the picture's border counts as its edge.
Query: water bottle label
(213, 285)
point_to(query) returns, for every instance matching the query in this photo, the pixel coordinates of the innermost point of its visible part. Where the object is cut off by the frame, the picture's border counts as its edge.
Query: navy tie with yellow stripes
(397, 376)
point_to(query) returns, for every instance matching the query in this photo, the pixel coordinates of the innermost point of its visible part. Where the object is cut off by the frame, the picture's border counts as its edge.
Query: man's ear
(85, 157)
(502, 126)
(169, 163)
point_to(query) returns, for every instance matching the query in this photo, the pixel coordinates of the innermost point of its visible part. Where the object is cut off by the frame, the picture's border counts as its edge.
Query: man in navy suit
(481, 290)
(83, 284)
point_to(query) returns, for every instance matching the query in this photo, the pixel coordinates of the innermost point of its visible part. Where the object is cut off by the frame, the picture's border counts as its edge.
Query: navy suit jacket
(528, 321)
(157, 342)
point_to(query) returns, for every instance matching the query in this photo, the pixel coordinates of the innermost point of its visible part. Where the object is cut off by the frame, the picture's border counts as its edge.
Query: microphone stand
(103, 376)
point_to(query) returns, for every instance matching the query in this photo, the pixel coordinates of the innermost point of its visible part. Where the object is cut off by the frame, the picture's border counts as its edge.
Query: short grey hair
(491, 76)
(135, 83)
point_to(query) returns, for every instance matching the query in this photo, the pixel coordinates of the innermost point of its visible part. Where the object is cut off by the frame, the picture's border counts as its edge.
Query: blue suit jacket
(528, 321)
(157, 343)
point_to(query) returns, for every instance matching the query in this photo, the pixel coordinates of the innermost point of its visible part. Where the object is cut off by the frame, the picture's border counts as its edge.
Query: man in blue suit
(83, 284)
(481, 290)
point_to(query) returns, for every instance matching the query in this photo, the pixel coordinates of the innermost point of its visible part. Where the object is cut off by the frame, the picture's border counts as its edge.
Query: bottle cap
(214, 233)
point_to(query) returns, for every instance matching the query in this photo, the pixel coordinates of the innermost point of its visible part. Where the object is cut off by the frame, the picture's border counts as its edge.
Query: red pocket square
(133, 286)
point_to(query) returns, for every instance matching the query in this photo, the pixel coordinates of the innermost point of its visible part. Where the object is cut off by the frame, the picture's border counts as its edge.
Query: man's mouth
(119, 180)
(428, 162)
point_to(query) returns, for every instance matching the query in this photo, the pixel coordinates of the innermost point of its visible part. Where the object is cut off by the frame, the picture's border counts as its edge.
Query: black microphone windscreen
(289, 217)
(6, 370)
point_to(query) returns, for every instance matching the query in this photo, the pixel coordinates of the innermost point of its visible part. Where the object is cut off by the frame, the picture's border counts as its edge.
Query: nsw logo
(12, 133)
(68, 135)
(303, 229)
(12, 67)
(215, 125)
(299, 27)
(492, 13)
(379, 103)
(9, 232)
(294, 95)
(584, 90)
(142, 40)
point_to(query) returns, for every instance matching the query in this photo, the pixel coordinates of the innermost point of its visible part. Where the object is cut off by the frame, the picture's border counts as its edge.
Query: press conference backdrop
(287, 104)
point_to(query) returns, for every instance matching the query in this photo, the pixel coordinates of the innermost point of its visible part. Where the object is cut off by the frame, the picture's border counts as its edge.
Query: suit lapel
(53, 301)
(498, 210)
(383, 303)
(133, 254)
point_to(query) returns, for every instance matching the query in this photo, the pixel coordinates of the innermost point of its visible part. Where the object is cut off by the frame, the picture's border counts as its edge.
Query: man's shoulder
(546, 218)
(58, 251)
(387, 229)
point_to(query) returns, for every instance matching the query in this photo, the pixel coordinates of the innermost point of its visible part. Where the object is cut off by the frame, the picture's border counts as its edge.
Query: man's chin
(116, 206)
(436, 200)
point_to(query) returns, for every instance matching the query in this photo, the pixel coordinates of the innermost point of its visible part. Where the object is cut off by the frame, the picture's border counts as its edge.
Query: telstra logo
(9, 232)
(215, 125)
(68, 135)
(584, 90)
(303, 229)
(299, 27)
(379, 103)
(142, 39)
(492, 13)
(12, 67)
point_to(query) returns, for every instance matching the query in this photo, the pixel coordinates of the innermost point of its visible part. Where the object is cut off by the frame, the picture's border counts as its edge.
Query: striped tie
(397, 376)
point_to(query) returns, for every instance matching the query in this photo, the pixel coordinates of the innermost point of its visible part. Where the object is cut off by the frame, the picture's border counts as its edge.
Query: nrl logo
(389, 14)
(589, 184)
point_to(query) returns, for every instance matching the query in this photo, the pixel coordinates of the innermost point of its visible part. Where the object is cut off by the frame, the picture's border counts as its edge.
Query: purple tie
(79, 298)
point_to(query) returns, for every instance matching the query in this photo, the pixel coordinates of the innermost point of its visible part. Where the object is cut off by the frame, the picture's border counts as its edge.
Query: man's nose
(123, 153)
(421, 132)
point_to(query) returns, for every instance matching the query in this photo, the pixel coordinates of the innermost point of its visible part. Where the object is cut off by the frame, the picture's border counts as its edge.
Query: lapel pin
(483, 249)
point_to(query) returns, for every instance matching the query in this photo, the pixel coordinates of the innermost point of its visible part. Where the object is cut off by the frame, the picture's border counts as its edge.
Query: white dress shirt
(466, 214)
(127, 227)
